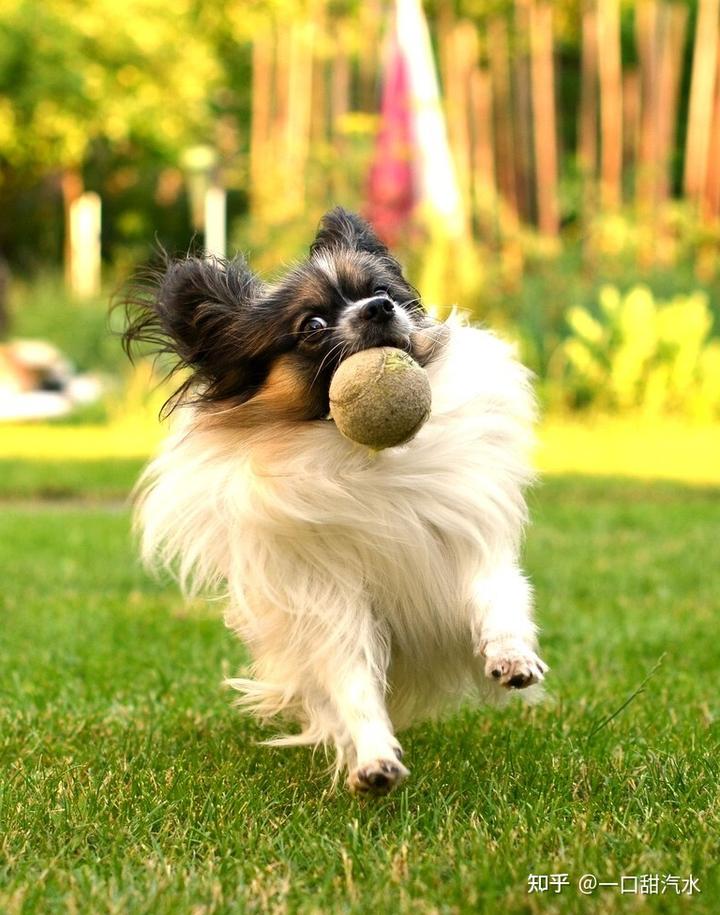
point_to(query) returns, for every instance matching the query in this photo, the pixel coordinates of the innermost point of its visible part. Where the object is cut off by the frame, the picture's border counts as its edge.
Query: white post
(215, 221)
(85, 227)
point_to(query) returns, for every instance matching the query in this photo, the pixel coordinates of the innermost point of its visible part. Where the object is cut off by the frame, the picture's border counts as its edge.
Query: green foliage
(640, 353)
(72, 74)
(530, 306)
(111, 90)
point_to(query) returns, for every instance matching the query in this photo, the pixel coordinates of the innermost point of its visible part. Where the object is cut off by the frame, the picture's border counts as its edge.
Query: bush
(640, 354)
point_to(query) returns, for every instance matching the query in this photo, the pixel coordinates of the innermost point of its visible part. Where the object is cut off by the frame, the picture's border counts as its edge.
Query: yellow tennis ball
(380, 397)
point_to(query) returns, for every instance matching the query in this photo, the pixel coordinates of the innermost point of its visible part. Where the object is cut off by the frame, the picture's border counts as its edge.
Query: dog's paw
(377, 777)
(513, 664)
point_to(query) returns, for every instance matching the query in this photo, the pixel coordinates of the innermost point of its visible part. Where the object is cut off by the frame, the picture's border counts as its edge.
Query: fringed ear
(341, 229)
(196, 309)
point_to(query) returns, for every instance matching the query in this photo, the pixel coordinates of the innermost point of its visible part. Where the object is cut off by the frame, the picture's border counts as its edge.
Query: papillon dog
(371, 589)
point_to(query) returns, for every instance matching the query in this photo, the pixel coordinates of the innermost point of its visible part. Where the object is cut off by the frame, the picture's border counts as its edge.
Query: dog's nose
(378, 309)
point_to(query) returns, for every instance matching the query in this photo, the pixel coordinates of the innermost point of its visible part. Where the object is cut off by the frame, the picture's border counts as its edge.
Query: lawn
(60, 460)
(131, 785)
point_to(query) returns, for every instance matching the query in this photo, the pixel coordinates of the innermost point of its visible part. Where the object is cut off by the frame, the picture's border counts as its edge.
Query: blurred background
(551, 168)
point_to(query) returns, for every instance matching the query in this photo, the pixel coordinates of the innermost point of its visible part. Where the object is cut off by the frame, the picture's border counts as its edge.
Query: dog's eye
(313, 324)
(380, 290)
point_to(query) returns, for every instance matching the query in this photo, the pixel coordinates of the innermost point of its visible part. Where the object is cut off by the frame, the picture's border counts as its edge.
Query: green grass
(45, 478)
(129, 784)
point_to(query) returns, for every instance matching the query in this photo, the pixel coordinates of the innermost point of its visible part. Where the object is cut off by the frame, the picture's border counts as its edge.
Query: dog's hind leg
(336, 690)
(345, 656)
(373, 755)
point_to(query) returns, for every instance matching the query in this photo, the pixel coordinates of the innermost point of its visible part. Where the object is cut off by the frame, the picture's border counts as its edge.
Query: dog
(371, 589)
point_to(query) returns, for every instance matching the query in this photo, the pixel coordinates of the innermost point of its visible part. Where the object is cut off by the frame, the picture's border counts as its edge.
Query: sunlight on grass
(659, 449)
(132, 438)
(662, 449)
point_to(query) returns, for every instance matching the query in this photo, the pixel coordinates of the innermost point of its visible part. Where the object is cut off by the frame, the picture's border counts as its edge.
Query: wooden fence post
(712, 191)
(544, 130)
(673, 31)
(483, 162)
(609, 66)
(701, 99)
(499, 55)
(588, 129)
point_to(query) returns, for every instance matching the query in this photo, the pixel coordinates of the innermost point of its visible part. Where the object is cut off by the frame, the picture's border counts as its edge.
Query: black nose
(378, 309)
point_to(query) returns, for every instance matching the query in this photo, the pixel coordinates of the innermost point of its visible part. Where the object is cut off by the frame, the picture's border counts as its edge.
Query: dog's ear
(342, 229)
(202, 302)
(339, 229)
(198, 309)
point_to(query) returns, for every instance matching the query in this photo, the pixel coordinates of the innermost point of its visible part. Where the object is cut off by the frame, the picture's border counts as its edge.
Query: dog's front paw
(379, 776)
(513, 664)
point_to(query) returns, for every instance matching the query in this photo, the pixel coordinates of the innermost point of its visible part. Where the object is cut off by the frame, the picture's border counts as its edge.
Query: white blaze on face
(350, 317)
(326, 264)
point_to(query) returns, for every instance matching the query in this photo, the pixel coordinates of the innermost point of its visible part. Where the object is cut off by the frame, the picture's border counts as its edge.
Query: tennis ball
(379, 397)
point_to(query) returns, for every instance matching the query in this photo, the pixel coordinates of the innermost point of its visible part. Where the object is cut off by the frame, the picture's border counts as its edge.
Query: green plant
(640, 353)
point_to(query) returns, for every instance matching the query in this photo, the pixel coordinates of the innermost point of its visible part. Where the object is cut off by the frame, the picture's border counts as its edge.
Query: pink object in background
(391, 191)
(412, 171)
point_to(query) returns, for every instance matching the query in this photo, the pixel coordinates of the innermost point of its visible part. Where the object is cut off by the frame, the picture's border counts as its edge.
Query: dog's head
(271, 349)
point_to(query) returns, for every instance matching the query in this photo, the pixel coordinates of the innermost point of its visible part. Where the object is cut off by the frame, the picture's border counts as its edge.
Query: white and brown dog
(370, 590)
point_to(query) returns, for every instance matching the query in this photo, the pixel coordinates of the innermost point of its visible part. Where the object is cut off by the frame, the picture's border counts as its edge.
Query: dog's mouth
(375, 322)
(422, 343)
(376, 338)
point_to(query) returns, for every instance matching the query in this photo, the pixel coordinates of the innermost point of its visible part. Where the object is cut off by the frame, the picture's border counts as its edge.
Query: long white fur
(360, 582)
